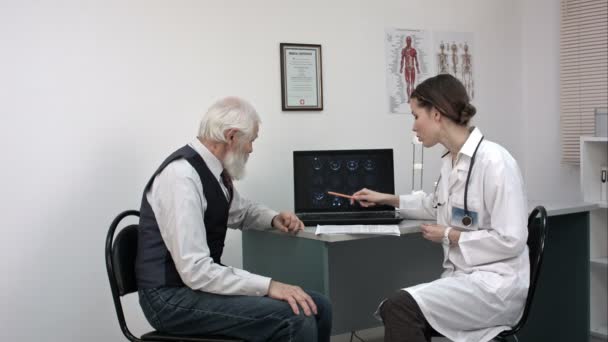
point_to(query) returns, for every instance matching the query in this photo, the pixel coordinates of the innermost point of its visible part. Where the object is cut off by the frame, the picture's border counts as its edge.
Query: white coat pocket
(491, 282)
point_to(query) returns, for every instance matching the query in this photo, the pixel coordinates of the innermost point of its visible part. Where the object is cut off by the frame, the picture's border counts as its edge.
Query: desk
(357, 272)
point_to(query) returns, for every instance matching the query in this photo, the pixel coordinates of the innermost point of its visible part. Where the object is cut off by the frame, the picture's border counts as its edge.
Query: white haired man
(186, 208)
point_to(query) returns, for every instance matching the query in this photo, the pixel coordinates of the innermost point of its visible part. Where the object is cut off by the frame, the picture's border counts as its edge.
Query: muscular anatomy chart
(408, 63)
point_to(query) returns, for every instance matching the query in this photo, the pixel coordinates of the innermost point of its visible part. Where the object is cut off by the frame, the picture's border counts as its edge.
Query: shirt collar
(214, 164)
(471, 144)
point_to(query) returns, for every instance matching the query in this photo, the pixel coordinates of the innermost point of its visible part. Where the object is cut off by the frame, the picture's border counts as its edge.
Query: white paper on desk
(359, 229)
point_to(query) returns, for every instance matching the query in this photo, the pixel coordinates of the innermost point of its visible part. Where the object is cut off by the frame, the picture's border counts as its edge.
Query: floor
(371, 335)
(376, 335)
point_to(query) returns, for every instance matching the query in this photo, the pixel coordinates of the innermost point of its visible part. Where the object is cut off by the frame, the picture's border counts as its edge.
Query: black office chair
(537, 234)
(120, 263)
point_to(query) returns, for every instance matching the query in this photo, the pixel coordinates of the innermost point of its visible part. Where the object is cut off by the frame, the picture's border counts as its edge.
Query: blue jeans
(183, 311)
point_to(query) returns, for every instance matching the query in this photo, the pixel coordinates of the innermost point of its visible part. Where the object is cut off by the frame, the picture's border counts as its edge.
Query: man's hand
(287, 222)
(293, 295)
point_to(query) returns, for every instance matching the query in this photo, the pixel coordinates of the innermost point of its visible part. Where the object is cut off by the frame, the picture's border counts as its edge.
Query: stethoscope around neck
(467, 220)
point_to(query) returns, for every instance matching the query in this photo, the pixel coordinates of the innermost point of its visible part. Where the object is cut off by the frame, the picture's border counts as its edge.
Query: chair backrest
(123, 258)
(537, 234)
(120, 256)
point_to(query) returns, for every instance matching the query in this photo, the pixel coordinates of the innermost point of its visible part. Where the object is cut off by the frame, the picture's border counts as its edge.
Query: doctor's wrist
(392, 200)
(445, 240)
(454, 236)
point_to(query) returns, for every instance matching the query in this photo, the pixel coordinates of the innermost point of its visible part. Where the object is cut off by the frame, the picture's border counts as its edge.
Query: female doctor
(480, 206)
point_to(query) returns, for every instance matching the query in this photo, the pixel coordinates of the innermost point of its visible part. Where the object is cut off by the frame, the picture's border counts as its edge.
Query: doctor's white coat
(483, 288)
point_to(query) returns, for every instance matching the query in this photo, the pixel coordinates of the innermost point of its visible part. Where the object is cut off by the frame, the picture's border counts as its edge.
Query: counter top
(562, 207)
(553, 208)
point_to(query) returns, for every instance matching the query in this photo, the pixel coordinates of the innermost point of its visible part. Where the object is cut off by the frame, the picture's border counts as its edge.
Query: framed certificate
(301, 80)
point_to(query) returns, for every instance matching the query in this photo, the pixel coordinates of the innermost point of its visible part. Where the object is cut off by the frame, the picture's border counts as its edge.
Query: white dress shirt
(178, 202)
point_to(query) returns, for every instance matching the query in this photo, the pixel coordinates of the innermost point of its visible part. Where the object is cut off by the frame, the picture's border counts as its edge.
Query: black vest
(154, 266)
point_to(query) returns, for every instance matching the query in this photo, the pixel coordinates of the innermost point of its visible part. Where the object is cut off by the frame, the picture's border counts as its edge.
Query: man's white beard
(235, 163)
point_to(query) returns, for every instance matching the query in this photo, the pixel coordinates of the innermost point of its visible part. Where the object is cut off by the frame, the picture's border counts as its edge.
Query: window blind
(583, 70)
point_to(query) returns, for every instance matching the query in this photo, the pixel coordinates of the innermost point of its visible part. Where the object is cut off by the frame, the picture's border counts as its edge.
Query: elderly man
(186, 208)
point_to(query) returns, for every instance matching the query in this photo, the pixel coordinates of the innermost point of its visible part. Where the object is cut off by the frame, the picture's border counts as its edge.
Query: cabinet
(594, 155)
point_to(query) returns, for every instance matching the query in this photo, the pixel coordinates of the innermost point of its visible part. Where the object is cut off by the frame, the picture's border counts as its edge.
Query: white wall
(546, 177)
(94, 94)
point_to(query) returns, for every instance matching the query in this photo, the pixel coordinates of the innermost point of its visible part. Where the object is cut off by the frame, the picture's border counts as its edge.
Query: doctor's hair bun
(445, 93)
(467, 113)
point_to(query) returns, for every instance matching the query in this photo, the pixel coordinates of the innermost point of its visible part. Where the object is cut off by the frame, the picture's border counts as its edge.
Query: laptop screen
(344, 171)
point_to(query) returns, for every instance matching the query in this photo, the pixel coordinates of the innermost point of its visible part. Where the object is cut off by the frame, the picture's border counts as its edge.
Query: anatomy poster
(454, 54)
(409, 61)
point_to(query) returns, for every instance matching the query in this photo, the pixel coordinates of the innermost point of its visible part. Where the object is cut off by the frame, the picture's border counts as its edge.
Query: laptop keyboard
(347, 215)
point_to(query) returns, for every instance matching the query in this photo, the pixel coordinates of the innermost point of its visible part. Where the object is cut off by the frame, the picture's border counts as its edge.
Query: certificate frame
(301, 77)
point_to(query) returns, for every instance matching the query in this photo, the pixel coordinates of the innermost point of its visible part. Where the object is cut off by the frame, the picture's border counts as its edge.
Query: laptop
(343, 171)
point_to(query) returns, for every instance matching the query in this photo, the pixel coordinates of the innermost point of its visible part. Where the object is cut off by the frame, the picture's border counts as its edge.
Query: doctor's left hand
(287, 222)
(433, 232)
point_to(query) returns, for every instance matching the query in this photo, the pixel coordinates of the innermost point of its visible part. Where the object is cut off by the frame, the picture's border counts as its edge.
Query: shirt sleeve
(417, 206)
(178, 203)
(505, 200)
(246, 214)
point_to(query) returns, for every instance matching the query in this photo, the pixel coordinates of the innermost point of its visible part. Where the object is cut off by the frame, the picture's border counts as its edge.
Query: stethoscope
(467, 220)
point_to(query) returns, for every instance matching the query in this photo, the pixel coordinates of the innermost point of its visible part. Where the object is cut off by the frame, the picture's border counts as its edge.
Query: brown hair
(447, 95)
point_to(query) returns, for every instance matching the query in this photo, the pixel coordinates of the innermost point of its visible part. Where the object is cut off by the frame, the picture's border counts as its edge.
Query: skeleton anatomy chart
(454, 55)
